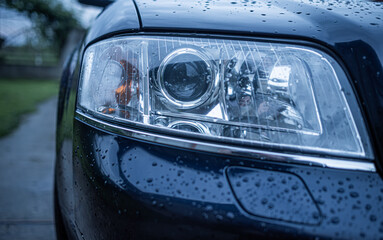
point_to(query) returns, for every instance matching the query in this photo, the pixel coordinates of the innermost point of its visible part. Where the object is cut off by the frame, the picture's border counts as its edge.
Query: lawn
(18, 97)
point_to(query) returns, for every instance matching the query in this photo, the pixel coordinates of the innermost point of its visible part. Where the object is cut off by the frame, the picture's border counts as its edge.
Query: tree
(53, 21)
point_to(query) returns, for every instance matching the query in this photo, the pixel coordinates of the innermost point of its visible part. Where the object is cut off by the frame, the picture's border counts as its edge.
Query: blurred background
(36, 37)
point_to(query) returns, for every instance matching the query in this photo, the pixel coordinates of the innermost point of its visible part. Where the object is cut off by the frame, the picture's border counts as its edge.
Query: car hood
(329, 21)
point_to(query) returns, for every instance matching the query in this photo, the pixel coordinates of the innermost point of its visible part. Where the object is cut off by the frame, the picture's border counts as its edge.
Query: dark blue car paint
(111, 187)
(148, 191)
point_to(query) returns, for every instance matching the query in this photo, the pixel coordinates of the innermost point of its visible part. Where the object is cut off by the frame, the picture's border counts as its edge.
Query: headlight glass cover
(254, 93)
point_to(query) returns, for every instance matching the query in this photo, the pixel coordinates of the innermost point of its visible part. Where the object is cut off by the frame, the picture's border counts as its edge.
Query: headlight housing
(254, 93)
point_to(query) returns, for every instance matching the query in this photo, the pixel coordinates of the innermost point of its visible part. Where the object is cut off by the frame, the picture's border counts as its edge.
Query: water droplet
(335, 220)
(354, 194)
(209, 208)
(340, 190)
(230, 215)
(368, 207)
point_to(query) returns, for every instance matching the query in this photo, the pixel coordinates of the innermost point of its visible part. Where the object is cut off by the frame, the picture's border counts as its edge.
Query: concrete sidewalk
(26, 177)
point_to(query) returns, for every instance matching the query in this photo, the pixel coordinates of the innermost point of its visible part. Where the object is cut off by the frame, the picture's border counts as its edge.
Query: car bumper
(124, 188)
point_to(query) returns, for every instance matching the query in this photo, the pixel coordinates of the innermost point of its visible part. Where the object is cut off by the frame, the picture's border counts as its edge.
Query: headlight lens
(255, 93)
(186, 78)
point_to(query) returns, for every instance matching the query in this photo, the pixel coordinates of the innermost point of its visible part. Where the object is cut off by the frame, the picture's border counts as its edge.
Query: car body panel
(115, 18)
(146, 190)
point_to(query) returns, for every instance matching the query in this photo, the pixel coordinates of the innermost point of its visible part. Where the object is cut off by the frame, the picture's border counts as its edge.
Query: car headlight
(243, 92)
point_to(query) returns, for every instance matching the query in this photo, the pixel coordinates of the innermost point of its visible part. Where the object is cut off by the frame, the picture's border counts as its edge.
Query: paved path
(26, 177)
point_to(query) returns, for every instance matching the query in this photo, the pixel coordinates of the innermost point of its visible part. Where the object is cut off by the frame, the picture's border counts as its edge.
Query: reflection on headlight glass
(256, 93)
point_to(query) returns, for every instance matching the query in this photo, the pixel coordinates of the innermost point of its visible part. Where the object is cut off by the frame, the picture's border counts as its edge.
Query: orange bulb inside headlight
(124, 91)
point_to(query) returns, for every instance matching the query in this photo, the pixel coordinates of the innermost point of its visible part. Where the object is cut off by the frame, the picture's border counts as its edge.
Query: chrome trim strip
(224, 149)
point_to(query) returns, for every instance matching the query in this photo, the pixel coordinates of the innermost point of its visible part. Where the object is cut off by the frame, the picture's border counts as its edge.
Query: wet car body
(114, 185)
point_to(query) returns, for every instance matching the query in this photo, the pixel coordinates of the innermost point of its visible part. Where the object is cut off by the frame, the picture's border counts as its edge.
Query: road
(26, 177)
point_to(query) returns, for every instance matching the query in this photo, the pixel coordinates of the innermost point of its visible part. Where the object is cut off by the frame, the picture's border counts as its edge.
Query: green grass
(19, 96)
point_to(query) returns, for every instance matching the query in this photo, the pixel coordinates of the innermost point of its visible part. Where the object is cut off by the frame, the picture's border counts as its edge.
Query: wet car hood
(330, 21)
